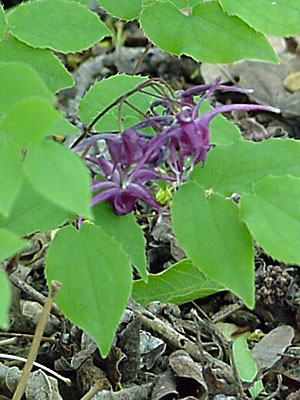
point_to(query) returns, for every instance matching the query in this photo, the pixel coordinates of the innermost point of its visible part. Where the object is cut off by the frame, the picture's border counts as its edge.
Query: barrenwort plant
(178, 143)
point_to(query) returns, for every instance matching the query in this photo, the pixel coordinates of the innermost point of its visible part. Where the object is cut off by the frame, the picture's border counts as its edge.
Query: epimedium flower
(123, 185)
(126, 148)
(193, 138)
(182, 141)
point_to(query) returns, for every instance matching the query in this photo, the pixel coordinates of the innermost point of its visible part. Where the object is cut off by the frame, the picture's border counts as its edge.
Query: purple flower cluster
(182, 141)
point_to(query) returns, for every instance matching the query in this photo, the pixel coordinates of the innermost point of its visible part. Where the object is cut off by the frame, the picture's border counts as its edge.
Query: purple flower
(123, 187)
(126, 148)
(182, 141)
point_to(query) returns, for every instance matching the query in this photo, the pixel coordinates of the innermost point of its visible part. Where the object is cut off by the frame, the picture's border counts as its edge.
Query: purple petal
(108, 168)
(196, 90)
(97, 185)
(140, 192)
(92, 140)
(146, 175)
(124, 202)
(209, 115)
(107, 195)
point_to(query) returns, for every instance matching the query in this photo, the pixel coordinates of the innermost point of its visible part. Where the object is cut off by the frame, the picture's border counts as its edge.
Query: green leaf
(125, 230)
(246, 364)
(222, 131)
(10, 244)
(96, 276)
(63, 127)
(272, 214)
(125, 9)
(60, 25)
(234, 168)
(181, 4)
(84, 2)
(206, 35)
(179, 284)
(214, 238)
(256, 389)
(59, 175)
(104, 93)
(11, 174)
(277, 18)
(4, 300)
(43, 61)
(2, 22)
(19, 81)
(31, 212)
(244, 360)
(29, 121)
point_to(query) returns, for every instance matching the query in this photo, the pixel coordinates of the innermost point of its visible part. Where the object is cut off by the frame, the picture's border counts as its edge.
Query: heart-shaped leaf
(206, 35)
(215, 239)
(29, 121)
(125, 230)
(234, 168)
(272, 214)
(179, 284)
(125, 9)
(96, 276)
(11, 174)
(59, 175)
(10, 244)
(59, 25)
(20, 81)
(43, 61)
(2, 22)
(276, 18)
(31, 212)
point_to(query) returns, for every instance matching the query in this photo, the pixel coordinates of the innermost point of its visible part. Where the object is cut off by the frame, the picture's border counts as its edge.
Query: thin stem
(28, 336)
(114, 103)
(141, 59)
(93, 390)
(209, 92)
(54, 288)
(36, 364)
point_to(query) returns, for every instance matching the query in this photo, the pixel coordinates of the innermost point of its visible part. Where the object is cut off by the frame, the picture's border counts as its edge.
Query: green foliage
(59, 25)
(104, 93)
(125, 230)
(181, 4)
(43, 61)
(222, 131)
(96, 276)
(125, 9)
(4, 300)
(206, 35)
(277, 18)
(246, 364)
(272, 214)
(11, 174)
(234, 168)
(44, 184)
(179, 284)
(2, 22)
(59, 175)
(18, 82)
(29, 121)
(63, 127)
(214, 238)
(10, 244)
(84, 2)
(32, 212)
